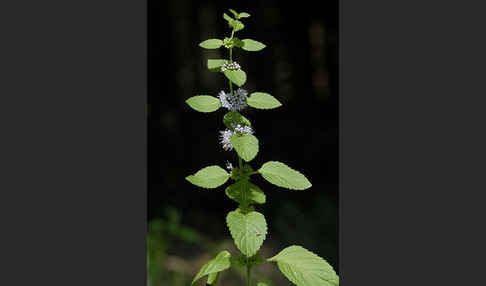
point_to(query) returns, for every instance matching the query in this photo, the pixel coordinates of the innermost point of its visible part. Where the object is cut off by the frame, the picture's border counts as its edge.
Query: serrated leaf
(305, 268)
(246, 146)
(234, 117)
(204, 103)
(252, 45)
(238, 77)
(248, 231)
(282, 175)
(210, 177)
(245, 192)
(211, 44)
(262, 100)
(215, 64)
(218, 264)
(244, 15)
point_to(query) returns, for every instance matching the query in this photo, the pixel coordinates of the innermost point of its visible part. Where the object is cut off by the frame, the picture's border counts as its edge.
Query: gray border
(412, 159)
(74, 143)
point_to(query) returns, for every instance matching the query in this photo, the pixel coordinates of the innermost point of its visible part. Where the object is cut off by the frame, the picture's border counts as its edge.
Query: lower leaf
(216, 265)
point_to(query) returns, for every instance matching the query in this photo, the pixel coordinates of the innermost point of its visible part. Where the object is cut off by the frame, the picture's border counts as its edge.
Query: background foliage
(299, 67)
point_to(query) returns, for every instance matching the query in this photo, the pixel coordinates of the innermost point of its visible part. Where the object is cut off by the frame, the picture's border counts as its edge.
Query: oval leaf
(211, 44)
(218, 264)
(210, 177)
(234, 117)
(244, 15)
(281, 175)
(262, 100)
(305, 268)
(214, 65)
(246, 146)
(238, 77)
(204, 103)
(248, 231)
(245, 192)
(252, 45)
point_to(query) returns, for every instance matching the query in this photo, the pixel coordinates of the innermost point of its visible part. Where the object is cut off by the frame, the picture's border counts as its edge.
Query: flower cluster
(234, 102)
(225, 135)
(230, 66)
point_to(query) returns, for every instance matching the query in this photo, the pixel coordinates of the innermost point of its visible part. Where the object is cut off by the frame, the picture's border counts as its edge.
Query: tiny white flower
(229, 166)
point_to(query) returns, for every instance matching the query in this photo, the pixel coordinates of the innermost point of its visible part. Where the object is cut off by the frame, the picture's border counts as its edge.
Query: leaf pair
(274, 172)
(246, 44)
(208, 103)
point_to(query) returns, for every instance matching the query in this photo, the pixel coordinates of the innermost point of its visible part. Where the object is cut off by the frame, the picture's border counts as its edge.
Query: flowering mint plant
(247, 226)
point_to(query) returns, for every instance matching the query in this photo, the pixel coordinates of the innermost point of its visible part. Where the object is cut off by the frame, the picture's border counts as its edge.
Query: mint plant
(247, 226)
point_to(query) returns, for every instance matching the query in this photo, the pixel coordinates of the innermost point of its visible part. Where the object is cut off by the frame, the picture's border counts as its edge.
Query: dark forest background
(299, 67)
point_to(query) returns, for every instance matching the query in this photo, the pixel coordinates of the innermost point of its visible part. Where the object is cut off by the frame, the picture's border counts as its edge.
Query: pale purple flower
(243, 129)
(224, 100)
(225, 139)
(235, 101)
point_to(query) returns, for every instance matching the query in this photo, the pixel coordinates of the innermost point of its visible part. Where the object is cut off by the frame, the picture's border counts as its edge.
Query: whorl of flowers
(234, 102)
(225, 135)
(230, 66)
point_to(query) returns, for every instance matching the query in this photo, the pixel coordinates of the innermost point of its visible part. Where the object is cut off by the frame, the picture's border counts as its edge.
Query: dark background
(299, 67)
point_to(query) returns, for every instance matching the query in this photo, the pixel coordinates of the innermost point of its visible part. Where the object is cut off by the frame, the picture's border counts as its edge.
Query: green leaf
(252, 45)
(262, 100)
(246, 146)
(243, 15)
(245, 192)
(234, 117)
(237, 25)
(217, 264)
(228, 18)
(281, 175)
(212, 278)
(261, 284)
(304, 268)
(215, 64)
(248, 231)
(211, 44)
(234, 13)
(204, 103)
(210, 177)
(238, 77)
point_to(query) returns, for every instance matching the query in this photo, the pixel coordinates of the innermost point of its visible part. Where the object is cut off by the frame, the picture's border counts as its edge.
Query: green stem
(248, 272)
(240, 163)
